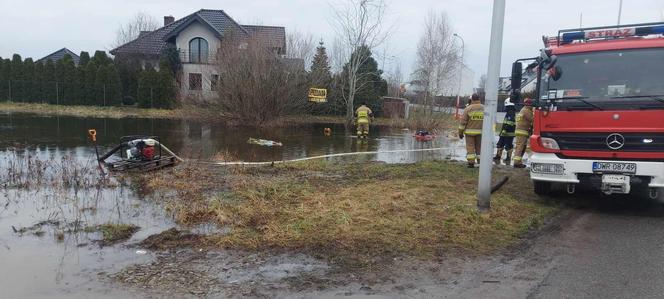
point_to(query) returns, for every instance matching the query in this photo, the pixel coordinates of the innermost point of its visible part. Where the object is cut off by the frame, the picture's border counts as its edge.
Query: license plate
(616, 167)
(615, 179)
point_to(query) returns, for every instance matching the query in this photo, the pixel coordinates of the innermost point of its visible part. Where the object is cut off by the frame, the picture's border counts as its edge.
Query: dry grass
(106, 112)
(113, 233)
(364, 212)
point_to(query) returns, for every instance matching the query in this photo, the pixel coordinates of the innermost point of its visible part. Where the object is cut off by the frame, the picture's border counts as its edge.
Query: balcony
(196, 57)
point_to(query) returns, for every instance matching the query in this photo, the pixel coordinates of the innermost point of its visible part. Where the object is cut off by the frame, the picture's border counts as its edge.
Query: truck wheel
(542, 188)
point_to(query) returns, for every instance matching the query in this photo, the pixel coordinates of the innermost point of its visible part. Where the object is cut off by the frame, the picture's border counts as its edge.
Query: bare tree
(394, 80)
(256, 86)
(437, 56)
(131, 30)
(300, 45)
(481, 85)
(358, 23)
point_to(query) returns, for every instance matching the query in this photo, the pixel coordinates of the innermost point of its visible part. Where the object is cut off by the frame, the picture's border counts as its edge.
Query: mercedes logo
(615, 141)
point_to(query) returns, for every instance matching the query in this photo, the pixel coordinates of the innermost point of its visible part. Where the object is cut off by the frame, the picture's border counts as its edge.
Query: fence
(76, 93)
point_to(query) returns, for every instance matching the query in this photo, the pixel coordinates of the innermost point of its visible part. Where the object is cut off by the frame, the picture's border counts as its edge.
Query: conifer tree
(165, 97)
(320, 68)
(38, 93)
(28, 80)
(84, 59)
(146, 85)
(59, 81)
(89, 83)
(69, 82)
(100, 58)
(16, 87)
(4, 80)
(48, 84)
(100, 86)
(113, 87)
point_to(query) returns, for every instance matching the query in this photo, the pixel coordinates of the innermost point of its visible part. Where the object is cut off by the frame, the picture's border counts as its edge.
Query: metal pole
(493, 72)
(463, 46)
(57, 94)
(104, 87)
(619, 11)
(10, 90)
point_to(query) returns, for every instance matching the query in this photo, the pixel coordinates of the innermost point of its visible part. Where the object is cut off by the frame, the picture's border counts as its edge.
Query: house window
(214, 82)
(195, 81)
(198, 50)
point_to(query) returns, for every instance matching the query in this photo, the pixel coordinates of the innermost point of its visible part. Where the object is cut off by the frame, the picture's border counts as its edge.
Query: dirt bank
(321, 225)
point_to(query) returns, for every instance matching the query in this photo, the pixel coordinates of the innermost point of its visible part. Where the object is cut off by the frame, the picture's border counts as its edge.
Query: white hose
(168, 151)
(329, 156)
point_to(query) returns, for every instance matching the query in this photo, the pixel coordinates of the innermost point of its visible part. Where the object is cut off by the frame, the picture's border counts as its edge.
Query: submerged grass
(364, 212)
(113, 232)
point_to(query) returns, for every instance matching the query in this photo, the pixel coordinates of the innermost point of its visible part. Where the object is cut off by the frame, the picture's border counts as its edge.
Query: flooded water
(196, 140)
(45, 251)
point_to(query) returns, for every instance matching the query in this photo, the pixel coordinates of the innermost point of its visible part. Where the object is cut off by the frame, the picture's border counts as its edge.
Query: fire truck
(599, 117)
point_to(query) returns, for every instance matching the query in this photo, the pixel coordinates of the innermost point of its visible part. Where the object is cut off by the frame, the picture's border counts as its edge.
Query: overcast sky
(36, 28)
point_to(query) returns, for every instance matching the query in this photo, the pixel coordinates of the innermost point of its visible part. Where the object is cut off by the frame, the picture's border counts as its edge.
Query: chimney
(168, 20)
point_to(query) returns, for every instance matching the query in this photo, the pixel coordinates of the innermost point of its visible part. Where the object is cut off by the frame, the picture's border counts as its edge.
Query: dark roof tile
(59, 54)
(152, 43)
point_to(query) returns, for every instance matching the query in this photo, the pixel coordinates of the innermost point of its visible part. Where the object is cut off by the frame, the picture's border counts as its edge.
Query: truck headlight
(547, 168)
(549, 143)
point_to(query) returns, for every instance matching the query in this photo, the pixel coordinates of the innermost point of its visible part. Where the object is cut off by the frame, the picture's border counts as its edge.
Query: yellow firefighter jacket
(524, 121)
(471, 121)
(363, 113)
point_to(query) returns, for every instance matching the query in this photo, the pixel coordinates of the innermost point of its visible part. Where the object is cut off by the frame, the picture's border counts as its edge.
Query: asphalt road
(612, 249)
(604, 247)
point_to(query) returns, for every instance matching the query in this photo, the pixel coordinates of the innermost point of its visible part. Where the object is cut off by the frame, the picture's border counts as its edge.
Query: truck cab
(599, 120)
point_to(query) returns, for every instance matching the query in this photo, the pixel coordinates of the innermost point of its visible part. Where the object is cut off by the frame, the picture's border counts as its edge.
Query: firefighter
(471, 128)
(524, 126)
(362, 114)
(506, 140)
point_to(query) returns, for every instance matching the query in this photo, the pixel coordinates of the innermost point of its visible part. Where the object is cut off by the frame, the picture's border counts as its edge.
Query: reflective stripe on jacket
(524, 121)
(471, 121)
(509, 125)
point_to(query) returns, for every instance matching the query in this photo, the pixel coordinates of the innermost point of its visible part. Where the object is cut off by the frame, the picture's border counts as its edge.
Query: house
(59, 54)
(197, 37)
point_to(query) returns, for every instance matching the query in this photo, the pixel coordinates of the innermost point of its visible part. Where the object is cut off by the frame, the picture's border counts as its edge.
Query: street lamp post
(463, 45)
(493, 72)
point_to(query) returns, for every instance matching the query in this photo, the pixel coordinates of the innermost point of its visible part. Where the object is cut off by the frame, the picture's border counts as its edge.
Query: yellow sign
(318, 95)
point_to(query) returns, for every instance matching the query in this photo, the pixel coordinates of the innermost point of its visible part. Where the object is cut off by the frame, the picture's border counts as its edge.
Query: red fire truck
(599, 117)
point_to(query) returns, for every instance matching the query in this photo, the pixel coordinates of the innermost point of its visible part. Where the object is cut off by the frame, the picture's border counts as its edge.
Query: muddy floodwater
(46, 247)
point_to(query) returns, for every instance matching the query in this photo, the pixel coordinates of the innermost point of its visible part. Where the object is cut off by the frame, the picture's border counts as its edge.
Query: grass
(112, 232)
(438, 122)
(364, 212)
(105, 112)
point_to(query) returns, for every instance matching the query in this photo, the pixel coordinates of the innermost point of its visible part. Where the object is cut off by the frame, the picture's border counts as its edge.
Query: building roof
(273, 36)
(152, 43)
(59, 54)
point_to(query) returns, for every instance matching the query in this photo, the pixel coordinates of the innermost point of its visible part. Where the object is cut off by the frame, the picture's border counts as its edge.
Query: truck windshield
(608, 80)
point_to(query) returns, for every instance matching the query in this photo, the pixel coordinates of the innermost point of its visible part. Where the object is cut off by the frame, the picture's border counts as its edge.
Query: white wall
(197, 30)
(206, 70)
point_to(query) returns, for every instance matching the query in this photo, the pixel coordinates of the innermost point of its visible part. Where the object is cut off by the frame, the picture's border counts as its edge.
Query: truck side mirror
(517, 70)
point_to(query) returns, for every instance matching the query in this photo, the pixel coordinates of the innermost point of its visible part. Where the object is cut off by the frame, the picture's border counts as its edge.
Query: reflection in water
(45, 265)
(196, 140)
